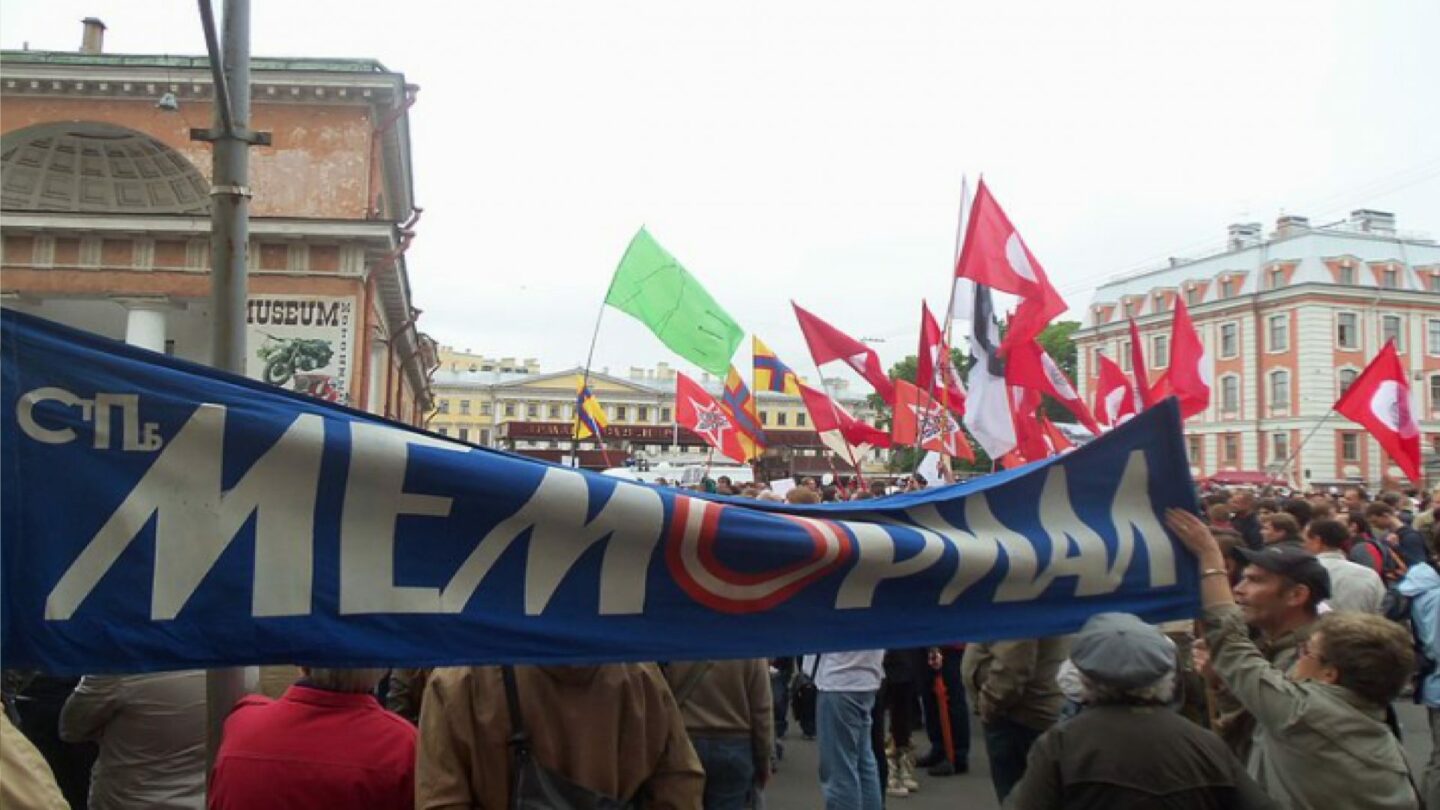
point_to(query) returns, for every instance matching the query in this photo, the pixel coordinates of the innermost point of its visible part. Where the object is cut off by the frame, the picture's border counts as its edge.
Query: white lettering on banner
(195, 521)
(135, 436)
(375, 498)
(877, 562)
(632, 520)
(1132, 511)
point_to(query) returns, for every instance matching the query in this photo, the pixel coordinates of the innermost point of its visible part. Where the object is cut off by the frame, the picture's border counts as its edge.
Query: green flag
(650, 285)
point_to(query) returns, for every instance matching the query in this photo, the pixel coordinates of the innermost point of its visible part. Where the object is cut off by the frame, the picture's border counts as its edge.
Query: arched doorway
(90, 167)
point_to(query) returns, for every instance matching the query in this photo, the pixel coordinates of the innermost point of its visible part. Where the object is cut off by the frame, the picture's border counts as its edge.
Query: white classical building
(1288, 320)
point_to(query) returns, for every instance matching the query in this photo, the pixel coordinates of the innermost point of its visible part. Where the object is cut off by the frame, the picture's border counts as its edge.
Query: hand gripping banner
(160, 515)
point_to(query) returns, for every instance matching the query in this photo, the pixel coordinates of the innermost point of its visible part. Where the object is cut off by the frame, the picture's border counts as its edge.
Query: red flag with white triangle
(1379, 399)
(1115, 397)
(699, 413)
(1030, 366)
(828, 343)
(849, 437)
(996, 256)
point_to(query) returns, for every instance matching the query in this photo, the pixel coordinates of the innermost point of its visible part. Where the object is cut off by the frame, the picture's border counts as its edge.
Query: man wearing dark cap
(1128, 748)
(1281, 587)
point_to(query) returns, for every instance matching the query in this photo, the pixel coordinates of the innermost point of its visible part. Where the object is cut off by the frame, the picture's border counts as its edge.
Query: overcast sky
(814, 150)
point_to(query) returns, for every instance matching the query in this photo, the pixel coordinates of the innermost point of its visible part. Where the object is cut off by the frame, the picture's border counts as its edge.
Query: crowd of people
(1318, 612)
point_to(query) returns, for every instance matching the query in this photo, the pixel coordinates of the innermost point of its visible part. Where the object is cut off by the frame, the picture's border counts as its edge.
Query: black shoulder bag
(535, 787)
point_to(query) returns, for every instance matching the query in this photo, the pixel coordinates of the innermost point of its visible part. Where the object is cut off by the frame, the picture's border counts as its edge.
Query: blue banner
(161, 515)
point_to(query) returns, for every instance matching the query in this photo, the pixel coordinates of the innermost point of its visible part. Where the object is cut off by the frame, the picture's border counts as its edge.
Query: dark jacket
(1249, 528)
(1107, 758)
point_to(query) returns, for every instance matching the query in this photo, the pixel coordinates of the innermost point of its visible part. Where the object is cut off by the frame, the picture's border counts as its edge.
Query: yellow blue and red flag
(771, 374)
(589, 414)
(740, 405)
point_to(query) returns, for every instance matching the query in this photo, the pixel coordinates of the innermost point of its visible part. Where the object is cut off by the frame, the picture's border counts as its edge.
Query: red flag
(924, 422)
(1137, 366)
(698, 412)
(1029, 435)
(935, 371)
(1059, 442)
(1379, 399)
(1162, 387)
(996, 256)
(1030, 366)
(838, 428)
(1115, 398)
(828, 343)
(1189, 373)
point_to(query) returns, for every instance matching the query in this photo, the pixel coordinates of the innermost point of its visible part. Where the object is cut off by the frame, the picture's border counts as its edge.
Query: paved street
(797, 785)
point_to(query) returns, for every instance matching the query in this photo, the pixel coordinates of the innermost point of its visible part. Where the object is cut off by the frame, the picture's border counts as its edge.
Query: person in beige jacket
(1012, 686)
(614, 729)
(729, 715)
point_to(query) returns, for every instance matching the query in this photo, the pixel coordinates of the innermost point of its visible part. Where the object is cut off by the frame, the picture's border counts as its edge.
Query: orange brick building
(1288, 320)
(104, 215)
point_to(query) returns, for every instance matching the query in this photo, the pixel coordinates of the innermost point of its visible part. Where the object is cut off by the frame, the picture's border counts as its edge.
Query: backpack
(804, 692)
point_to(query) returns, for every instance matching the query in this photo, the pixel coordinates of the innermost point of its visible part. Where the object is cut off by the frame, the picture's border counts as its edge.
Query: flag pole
(948, 331)
(585, 380)
(849, 451)
(1294, 454)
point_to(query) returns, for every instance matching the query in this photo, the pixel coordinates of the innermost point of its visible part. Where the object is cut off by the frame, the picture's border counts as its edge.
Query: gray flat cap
(1117, 649)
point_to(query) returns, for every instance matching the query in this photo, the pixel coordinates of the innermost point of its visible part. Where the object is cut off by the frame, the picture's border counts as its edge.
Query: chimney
(1367, 220)
(1244, 235)
(1290, 225)
(94, 39)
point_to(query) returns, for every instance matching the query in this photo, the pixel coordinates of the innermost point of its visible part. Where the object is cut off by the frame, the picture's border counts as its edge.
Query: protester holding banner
(1323, 740)
(612, 730)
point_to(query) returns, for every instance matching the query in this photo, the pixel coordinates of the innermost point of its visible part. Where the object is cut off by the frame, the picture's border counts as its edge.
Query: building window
(1159, 303)
(1230, 394)
(1280, 390)
(1276, 278)
(664, 415)
(485, 436)
(553, 412)
(464, 407)
(1350, 447)
(764, 418)
(1195, 445)
(1432, 336)
(1099, 353)
(509, 409)
(1389, 279)
(1125, 355)
(1229, 340)
(443, 431)
(1278, 333)
(1435, 392)
(1347, 275)
(1279, 447)
(642, 413)
(532, 411)
(1227, 288)
(444, 406)
(485, 409)
(1192, 296)
(1347, 379)
(781, 418)
(800, 418)
(1434, 283)
(1160, 351)
(464, 434)
(1347, 330)
(1129, 307)
(1392, 327)
(1230, 449)
(621, 413)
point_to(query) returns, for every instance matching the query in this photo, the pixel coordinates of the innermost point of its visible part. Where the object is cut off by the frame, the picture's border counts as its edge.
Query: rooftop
(302, 64)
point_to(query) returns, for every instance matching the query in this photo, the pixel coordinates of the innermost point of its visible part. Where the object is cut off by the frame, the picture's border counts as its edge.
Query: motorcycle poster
(303, 343)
